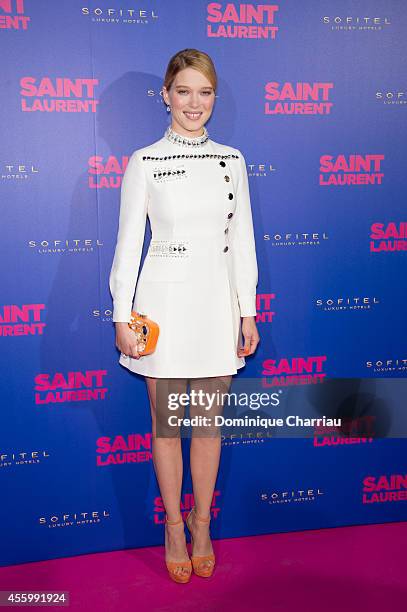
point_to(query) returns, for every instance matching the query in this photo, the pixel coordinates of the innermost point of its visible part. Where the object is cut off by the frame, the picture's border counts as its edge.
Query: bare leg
(167, 460)
(204, 458)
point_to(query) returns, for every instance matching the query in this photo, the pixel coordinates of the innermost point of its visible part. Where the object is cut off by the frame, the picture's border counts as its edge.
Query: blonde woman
(198, 282)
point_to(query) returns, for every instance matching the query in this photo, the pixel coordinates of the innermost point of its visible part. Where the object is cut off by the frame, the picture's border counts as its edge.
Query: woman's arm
(243, 246)
(130, 238)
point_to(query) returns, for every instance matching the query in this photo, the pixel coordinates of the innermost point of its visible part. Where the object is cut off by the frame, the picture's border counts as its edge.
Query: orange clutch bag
(146, 331)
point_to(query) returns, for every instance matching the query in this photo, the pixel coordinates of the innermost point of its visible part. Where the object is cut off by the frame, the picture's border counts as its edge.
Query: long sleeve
(244, 246)
(130, 238)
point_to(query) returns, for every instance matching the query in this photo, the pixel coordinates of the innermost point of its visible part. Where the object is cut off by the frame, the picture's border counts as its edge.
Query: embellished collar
(178, 139)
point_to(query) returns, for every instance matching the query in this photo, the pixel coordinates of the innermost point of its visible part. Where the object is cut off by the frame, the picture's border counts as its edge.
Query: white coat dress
(200, 272)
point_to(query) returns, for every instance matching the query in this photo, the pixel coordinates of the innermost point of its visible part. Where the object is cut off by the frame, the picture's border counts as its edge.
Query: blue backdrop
(314, 95)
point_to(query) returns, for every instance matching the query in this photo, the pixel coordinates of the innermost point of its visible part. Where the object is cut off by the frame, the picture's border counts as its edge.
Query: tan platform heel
(172, 566)
(197, 562)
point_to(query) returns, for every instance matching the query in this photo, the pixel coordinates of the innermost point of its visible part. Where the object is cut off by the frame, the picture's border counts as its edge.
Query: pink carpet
(327, 570)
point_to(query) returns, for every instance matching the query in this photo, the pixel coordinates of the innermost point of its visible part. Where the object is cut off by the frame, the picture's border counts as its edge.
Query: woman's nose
(195, 101)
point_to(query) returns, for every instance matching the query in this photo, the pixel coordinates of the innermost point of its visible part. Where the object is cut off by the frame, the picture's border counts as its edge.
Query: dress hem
(172, 375)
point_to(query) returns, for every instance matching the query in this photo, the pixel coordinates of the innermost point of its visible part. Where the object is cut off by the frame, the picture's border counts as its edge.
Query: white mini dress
(200, 273)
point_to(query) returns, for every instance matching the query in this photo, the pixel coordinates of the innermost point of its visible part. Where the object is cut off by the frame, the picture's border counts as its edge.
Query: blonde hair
(191, 58)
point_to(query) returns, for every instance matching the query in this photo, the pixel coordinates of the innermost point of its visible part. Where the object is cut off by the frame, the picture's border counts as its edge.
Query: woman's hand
(250, 335)
(126, 340)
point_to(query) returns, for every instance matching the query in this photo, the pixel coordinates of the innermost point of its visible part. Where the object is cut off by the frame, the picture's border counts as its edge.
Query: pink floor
(327, 570)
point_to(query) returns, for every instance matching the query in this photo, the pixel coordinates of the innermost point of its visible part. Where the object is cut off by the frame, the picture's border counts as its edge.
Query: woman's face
(191, 98)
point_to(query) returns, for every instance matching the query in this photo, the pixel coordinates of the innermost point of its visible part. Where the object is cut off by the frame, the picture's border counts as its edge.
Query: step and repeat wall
(314, 95)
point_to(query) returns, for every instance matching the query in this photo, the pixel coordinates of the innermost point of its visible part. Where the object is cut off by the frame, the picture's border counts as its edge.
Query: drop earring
(168, 108)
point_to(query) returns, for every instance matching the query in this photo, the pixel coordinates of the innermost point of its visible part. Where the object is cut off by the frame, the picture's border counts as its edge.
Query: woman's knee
(211, 405)
(165, 405)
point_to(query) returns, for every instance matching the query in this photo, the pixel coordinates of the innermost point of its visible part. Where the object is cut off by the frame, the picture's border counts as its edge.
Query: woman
(198, 282)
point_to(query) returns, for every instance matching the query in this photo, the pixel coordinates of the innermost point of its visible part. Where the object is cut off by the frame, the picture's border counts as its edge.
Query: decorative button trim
(165, 248)
(227, 178)
(192, 156)
(226, 230)
(179, 139)
(177, 248)
(225, 249)
(230, 215)
(159, 174)
(222, 163)
(230, 196)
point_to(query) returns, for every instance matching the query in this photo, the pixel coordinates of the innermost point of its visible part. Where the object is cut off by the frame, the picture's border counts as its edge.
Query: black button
(225, 249)
(226, 230)
(227, 178)
(230, 196)
(230, 215)
(222, 163)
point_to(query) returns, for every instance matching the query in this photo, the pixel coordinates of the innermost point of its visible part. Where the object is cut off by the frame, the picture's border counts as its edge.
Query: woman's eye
(206, 93)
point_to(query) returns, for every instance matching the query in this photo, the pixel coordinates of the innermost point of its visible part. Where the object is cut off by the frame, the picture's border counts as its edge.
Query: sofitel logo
(291, 497)
(260, 170)
(395, 97)
(263, 307)
(356, 23)
(246, 438)
(22, 458)
(120, 15)
(390, 237)
(303, 98)
(74, 387)
(106, 175)
(104, 314)
(74, 519)
(295, 239)
(382, 489)
(241, 21)
(61, 247)
(187, 502)
(18, 171)
(351, 169)
(22, 320)
(134, 448)
(48, 95)
(347, 303)
(294, 371)
(14, 18)
(387, 365)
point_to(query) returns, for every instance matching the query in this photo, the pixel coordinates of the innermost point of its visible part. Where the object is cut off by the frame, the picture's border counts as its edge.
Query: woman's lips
(193, 116)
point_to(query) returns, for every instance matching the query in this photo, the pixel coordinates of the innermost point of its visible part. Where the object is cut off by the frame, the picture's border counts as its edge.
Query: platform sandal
(172, 566)
(199, 561)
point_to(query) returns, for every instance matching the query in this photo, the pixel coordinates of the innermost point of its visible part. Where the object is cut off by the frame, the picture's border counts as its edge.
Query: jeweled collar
(176, 138)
